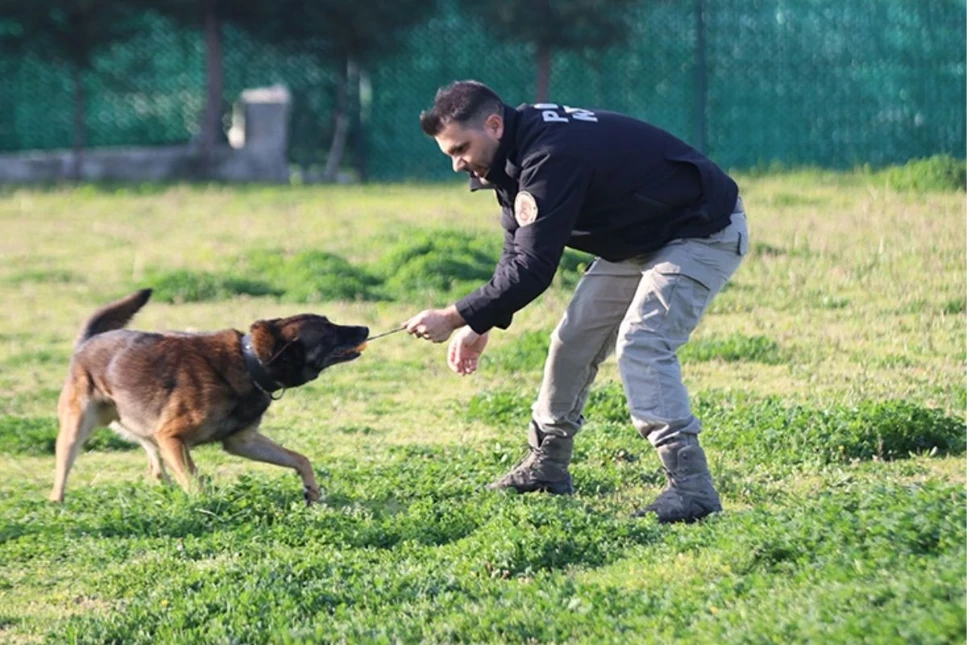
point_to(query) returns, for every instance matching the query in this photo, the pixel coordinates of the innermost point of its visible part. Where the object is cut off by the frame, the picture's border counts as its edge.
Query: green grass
(440, 264)
(735, 347)
(828, 376)
(182, 285)
(37, 436)
(941, 172)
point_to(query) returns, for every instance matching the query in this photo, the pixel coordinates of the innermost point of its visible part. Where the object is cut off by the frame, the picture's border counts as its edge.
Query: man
(668, 230)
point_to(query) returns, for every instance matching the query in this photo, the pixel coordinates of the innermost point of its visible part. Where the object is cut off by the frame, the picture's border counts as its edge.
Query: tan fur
(172, 391)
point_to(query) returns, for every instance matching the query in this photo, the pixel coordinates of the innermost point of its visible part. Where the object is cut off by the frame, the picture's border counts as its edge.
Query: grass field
(829, 374)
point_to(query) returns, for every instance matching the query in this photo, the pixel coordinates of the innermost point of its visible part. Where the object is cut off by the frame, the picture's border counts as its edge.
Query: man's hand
(435, 324)
(465, 350)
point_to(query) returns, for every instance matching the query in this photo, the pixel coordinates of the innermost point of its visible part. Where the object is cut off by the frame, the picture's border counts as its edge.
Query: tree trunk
(80, 123)
(358, 128)
(340, 131)
(543, 72)
(212, 120)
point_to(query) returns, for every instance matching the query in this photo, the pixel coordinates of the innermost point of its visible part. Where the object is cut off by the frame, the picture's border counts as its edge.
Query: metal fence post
(701, 79)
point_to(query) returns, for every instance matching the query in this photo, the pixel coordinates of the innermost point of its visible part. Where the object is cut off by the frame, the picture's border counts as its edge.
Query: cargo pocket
(743, 246)
(678, 300)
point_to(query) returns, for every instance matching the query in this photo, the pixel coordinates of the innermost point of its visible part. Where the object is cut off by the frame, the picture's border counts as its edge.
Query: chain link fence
(752, 82)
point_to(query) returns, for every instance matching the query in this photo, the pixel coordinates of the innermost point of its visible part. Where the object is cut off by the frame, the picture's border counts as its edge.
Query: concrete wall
(260, 132)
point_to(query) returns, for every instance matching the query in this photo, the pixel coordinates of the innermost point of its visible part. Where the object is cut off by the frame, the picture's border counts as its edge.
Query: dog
(172, 391)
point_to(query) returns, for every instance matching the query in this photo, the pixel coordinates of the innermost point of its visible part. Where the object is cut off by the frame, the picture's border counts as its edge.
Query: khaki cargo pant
(643, 309)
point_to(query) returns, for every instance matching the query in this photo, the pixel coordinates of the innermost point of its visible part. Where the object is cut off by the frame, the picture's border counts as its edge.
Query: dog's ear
(265, 336)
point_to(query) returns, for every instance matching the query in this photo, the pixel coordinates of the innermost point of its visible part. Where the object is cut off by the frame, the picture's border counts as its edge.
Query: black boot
(544, 469)
(690, 494)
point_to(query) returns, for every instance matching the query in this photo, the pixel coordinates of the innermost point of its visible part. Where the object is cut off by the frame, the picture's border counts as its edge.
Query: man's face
(471, 148)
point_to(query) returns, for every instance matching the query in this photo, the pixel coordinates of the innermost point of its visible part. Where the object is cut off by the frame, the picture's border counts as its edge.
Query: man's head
(467, 122)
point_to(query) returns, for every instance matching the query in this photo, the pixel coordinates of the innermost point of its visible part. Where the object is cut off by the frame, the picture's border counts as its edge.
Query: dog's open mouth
(355, 349)
(348, 352)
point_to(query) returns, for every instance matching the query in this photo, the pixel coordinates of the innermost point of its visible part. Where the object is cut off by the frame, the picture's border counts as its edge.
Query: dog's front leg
(255, 446)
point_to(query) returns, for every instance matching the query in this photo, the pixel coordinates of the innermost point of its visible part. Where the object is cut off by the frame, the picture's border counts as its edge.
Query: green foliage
(831, 302)
(183, 285)
(38, 436)
(43, 356)
(735, 347)
(769, 250)
(312, 276)
(769, 431)
(366, 32)
(305, 277)
(525, 351)
(28, 276)
(956, 306)
(500, 408)
(572, 266)
(381, 562)
(65, 32)
(832, 531)
(565, 24)
(607, 402)
(611, 455)
(444, 261)
(764, 248)
(936, 173)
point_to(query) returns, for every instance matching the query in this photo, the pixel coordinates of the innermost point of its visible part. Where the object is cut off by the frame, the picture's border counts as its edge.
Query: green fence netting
(752, 82)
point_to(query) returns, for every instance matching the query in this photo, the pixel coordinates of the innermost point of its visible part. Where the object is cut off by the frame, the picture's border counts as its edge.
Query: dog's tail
(113, 316)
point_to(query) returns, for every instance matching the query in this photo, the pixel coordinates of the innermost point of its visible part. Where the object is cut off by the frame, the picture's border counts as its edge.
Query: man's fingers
(455, 356)
(429, 325)
(419, 330)
(415, 324)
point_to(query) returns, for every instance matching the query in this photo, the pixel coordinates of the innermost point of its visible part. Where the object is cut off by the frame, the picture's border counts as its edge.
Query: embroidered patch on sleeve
(525, 208)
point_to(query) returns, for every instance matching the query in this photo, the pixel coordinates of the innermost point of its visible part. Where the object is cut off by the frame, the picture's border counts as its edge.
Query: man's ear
(495, 125)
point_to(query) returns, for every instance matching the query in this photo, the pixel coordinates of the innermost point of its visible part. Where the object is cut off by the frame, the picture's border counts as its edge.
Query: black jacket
(596, 181)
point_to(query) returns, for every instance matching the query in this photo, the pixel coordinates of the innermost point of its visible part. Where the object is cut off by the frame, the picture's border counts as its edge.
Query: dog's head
(295, 350)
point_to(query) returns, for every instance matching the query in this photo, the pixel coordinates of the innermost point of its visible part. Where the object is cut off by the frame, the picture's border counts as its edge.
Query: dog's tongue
(362, 347)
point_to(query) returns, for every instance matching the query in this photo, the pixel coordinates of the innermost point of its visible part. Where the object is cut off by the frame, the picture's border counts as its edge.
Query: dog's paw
(311, 495)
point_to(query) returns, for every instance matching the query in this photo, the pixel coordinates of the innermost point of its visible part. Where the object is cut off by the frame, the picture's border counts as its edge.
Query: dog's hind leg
(76, 418)
(175, 453)
(255, 446)
(155, 464)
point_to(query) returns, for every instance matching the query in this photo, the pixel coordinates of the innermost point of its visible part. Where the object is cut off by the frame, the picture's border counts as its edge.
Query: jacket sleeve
(532, 251)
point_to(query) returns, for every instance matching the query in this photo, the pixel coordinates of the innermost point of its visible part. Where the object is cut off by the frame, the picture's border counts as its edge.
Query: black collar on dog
(263, 380)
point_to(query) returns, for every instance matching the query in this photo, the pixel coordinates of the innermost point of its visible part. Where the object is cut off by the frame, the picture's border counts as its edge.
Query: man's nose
(458, 164)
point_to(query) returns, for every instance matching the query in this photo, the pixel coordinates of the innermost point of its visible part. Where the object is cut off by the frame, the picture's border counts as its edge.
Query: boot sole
(556, 488)
(685, 519)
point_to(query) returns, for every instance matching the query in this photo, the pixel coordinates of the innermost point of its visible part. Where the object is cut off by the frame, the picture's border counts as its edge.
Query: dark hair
(460, 101)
